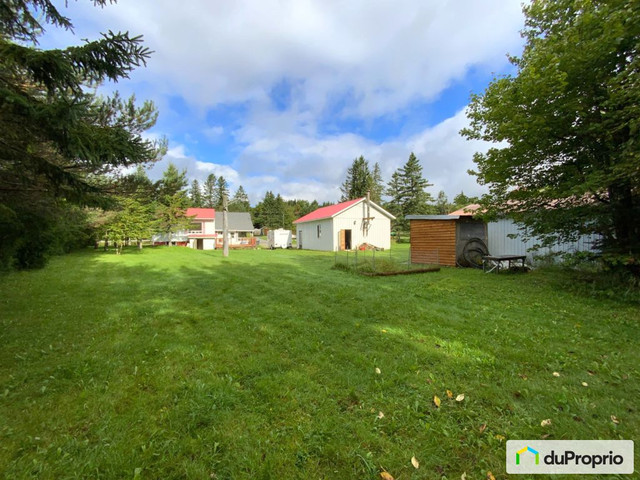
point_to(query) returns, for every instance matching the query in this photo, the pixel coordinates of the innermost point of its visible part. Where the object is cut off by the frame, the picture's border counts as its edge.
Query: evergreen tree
(394, 192)
(59, 140)
(415, 199)
(221, 191)
(209, 199)
(240, 201)
(442, 206)
(407, 192)
(173, 201)
(195, 194)
(271, 212)
(377, 184)
(358, 180)
(565, 127)
(173, 182)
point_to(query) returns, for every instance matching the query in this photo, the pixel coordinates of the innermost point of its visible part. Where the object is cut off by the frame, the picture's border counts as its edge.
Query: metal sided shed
(449, 240)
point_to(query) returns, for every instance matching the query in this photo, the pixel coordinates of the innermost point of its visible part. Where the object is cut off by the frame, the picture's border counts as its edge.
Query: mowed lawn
(175, 363)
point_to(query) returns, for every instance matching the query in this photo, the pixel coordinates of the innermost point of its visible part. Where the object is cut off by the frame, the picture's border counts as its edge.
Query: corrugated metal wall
(500, 244)
(433, 241)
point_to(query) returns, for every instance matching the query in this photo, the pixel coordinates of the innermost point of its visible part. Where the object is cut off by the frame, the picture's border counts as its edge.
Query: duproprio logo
(527, 449)
(569, 456)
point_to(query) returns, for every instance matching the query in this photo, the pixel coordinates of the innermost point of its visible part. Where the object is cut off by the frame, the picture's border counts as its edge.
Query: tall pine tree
(240, 201)
(195, 194)
(209, 192)
(408, 193)
(377, 184)
(173, 202)
(59, 140)
(358, 180)
(221, 191)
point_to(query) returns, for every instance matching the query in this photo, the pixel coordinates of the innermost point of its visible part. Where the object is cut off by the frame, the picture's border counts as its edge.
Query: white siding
(209, 227)
(310, 240)
(500, 244)
(378, 233)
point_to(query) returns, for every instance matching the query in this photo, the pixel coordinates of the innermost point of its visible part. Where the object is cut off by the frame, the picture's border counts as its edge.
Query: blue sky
(282, 95)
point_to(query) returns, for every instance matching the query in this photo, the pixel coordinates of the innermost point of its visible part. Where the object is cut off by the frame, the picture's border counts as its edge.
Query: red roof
(327, 212)
(202, 213)
(468, 210)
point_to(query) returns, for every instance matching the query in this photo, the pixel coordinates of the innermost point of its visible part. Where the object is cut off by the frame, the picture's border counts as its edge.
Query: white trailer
(279, 238)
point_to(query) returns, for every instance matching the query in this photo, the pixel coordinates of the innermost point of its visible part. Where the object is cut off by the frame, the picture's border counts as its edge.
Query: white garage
(345, 226)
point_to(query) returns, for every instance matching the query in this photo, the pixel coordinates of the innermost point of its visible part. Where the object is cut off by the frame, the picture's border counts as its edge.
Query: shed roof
(333, 210)
(202, 213)
(468, 210)
(432, 217)
(236, 222)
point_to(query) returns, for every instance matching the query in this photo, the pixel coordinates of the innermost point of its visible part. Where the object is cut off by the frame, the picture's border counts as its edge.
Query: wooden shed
(447, 239)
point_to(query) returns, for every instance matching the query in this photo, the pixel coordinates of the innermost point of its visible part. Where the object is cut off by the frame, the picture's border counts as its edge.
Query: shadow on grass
(184, 363)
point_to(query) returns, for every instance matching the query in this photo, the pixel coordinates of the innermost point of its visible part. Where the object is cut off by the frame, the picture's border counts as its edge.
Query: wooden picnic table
(495, 262)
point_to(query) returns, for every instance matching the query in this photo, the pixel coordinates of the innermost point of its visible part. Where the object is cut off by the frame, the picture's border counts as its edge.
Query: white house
(205, 233)
(345, 226)
(240, 230)
(202, 231)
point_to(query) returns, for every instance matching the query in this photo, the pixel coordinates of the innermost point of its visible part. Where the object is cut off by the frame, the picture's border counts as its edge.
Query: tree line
(404, 194)
(564, 127)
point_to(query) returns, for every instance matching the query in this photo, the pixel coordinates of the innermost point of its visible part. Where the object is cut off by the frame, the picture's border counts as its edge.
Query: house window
(319, 228)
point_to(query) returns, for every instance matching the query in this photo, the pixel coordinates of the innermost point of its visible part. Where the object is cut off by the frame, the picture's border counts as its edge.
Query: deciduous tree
(565, 126)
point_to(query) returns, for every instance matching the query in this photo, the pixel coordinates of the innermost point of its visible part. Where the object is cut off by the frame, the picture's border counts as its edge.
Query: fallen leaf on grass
(449, 394)
(585, 384)
(384, 331)
(545, 423)
(483, 427)
(490, 476)
(500, 437)
(378, 371)
(415, 463)
(591, 372)
(436, 401)
(556, 374)
(460, 397)
(380, 415)
(614, 419)
(386, 476)
(463, 476)
(522, 376)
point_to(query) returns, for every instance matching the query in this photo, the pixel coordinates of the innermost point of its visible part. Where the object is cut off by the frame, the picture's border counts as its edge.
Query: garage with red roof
(345, 226)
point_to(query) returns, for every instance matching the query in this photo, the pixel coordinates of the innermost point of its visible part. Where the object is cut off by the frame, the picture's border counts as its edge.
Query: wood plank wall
(433, 239)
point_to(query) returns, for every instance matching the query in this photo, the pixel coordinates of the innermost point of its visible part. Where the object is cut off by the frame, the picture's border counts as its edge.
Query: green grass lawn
(176, 363)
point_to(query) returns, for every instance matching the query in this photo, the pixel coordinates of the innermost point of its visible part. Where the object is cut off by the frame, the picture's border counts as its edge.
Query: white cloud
(314, 166)
(214, 133)
(196, 169)
(386, 54)
(360, 59)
